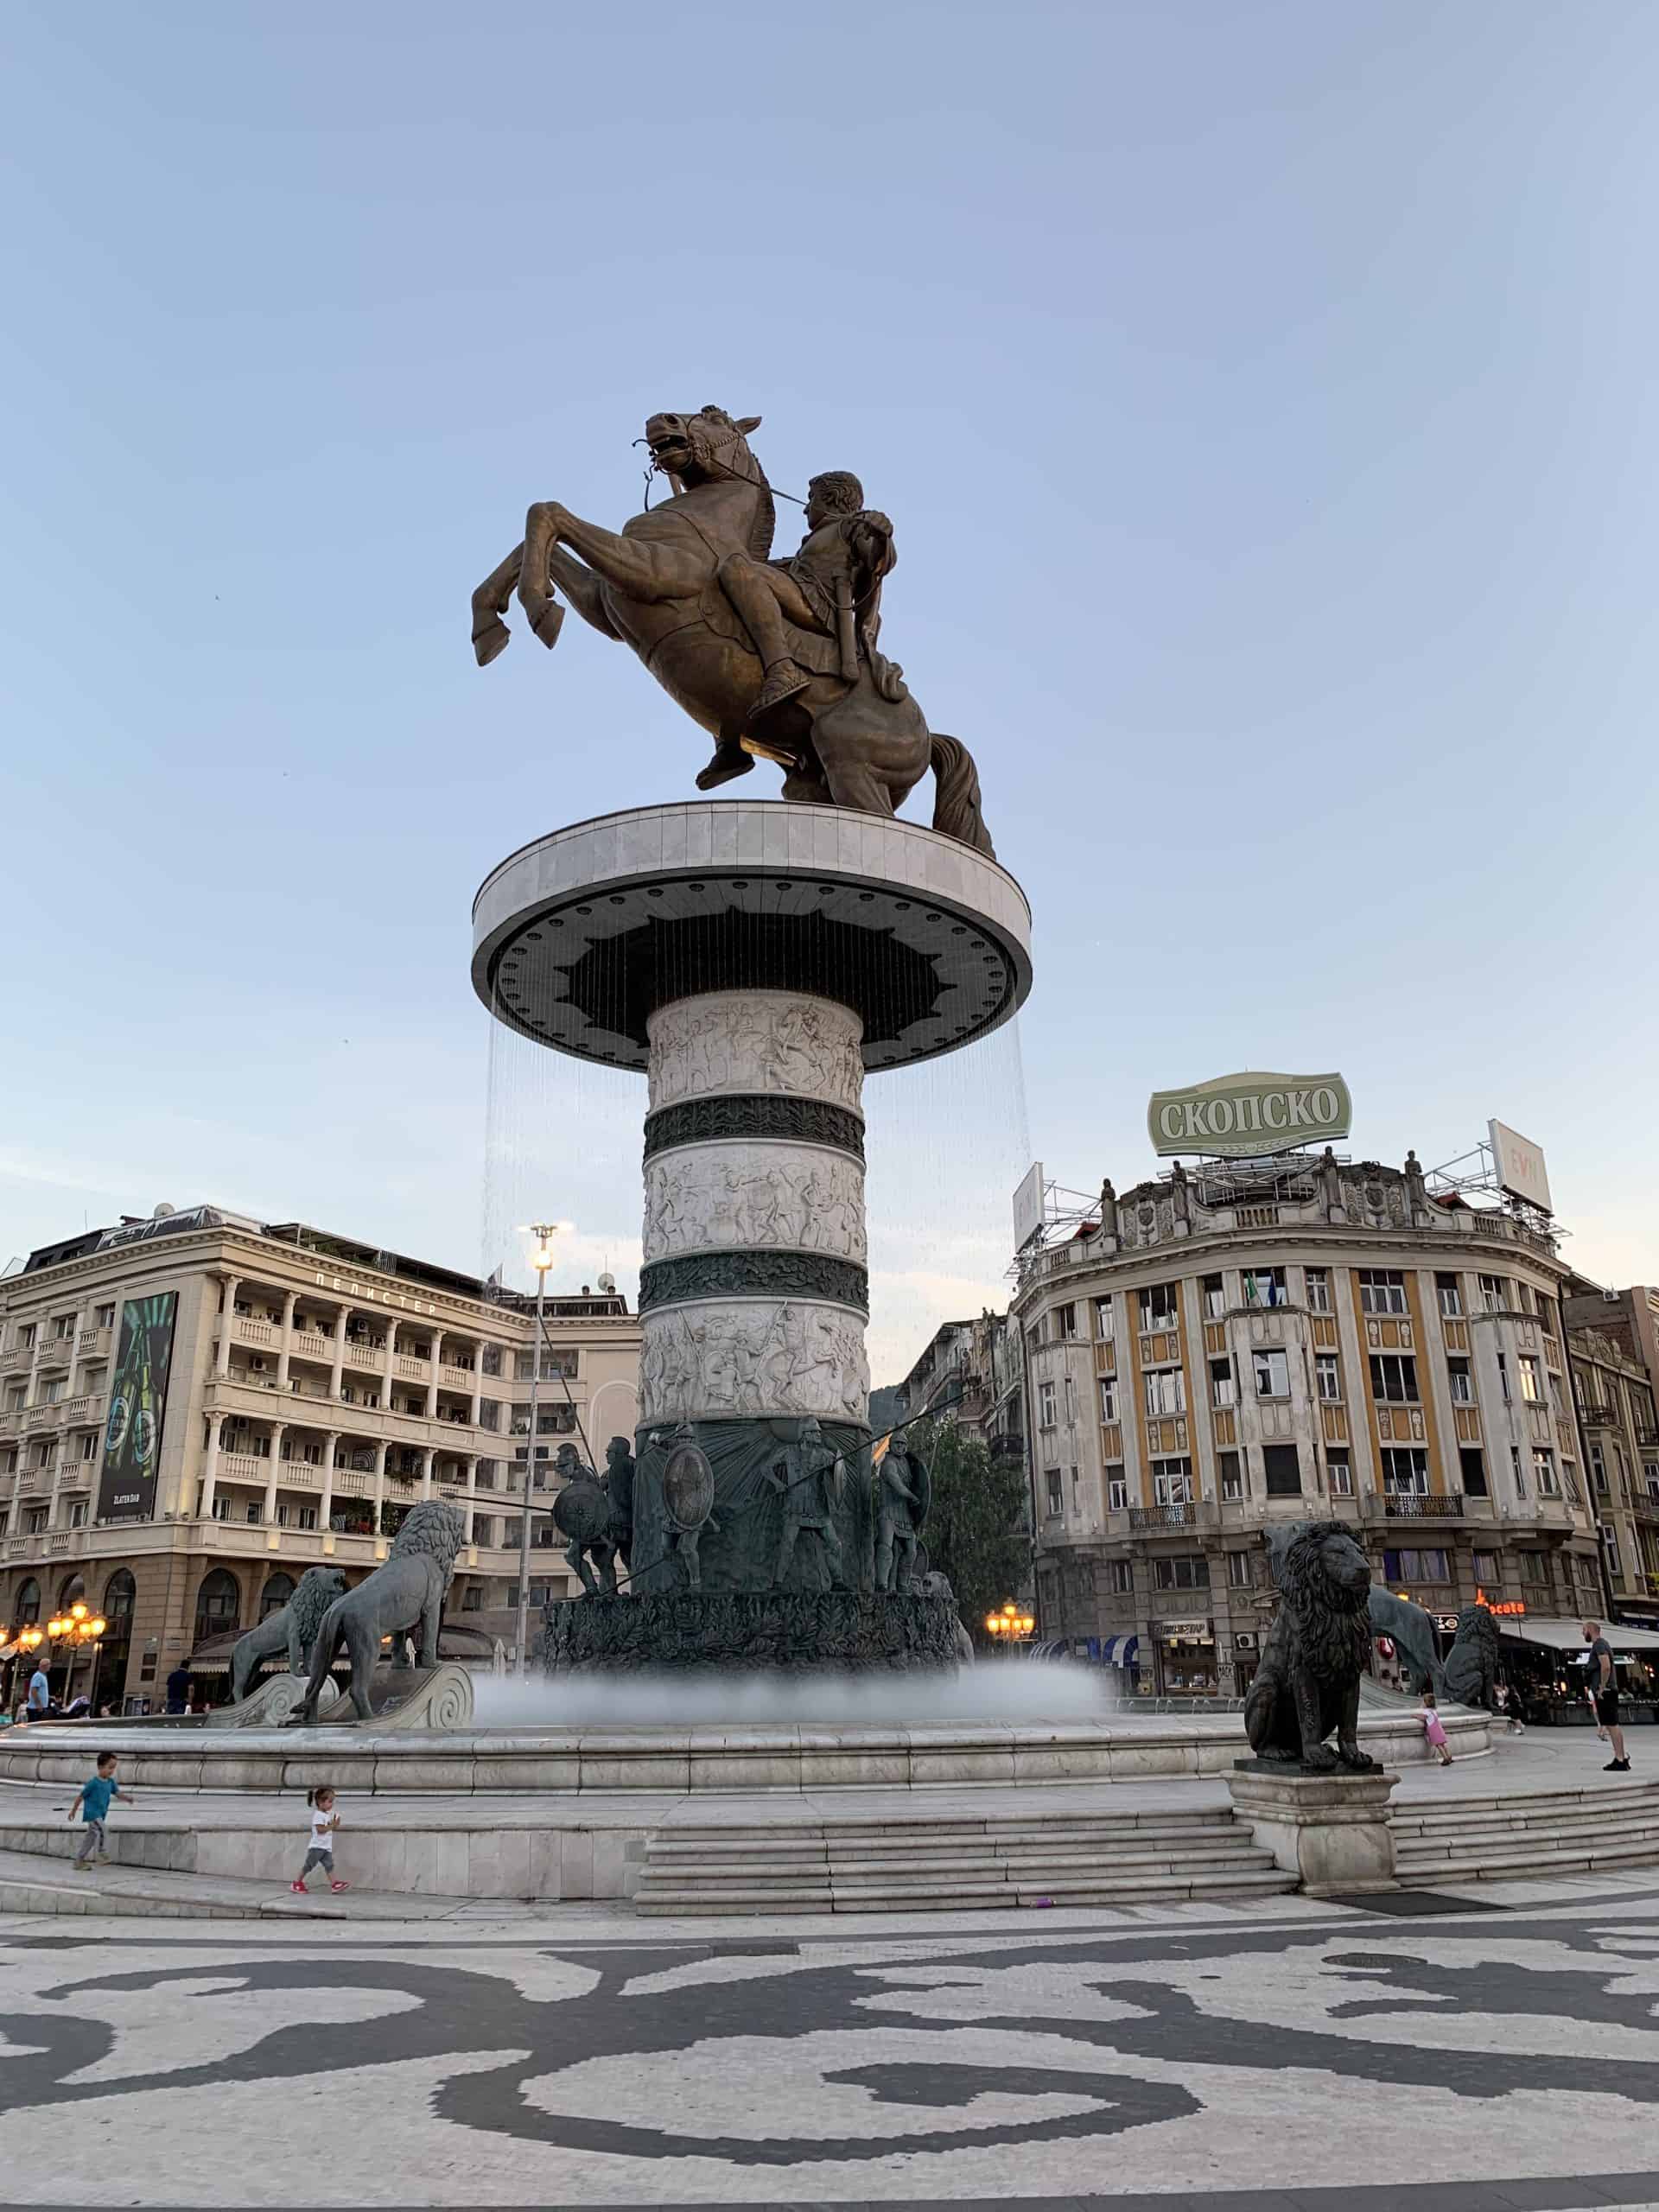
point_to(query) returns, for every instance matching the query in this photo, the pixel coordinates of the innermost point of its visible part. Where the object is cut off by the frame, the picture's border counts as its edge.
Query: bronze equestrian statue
(773, 658)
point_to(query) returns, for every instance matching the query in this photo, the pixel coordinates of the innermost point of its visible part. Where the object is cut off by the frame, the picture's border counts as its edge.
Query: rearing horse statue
(690, 582)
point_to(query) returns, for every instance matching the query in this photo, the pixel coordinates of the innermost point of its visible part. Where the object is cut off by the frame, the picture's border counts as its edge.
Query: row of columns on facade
(273, 1481)
(290, 1301)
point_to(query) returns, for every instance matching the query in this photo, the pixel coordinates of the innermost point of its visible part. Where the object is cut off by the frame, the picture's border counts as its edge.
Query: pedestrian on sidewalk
(1435, 1729)
(92, 1803)
(1508, 1709)
(322, 1820)
(40, 1695)
(1602, 1688)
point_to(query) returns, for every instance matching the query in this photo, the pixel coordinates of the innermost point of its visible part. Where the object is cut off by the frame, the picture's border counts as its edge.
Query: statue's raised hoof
(549, 622)
(491, 642)
(728, 761)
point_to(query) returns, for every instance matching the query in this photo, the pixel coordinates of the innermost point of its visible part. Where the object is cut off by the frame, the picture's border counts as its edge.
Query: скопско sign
(1236, 1115)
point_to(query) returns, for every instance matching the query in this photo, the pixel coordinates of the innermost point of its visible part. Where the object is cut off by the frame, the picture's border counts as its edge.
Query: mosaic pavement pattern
(1256, 2062)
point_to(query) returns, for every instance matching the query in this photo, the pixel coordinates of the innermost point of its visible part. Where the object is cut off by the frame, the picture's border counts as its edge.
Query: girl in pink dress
(1435, 1729)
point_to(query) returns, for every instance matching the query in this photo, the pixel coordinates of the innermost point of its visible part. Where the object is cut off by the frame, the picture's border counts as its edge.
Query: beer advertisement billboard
(132, 1435)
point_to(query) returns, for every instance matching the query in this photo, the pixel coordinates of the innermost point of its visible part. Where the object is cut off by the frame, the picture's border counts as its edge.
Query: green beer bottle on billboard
(132, 1435)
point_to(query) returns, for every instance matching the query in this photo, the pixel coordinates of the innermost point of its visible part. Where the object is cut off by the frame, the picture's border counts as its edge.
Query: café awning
(1568, 1636)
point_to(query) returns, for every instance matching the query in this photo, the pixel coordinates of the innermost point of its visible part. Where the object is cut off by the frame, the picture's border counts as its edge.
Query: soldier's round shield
(581, 1511)
(921, 1565)
(921, 1483)
(688, 1487)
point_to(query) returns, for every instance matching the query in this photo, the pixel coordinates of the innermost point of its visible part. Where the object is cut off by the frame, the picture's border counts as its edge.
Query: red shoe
(298, 1888)
(338, 1886)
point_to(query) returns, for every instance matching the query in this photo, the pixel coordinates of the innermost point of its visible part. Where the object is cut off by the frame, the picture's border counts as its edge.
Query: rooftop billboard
(1237, 1116)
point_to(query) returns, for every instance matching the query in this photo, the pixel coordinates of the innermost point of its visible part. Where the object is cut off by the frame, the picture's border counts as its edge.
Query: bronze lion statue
(1318, 1648)
(292, 1628)
(404, 1595)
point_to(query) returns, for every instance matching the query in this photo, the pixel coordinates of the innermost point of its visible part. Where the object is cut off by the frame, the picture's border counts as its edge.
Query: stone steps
(1562, 1833)
(953, 1866)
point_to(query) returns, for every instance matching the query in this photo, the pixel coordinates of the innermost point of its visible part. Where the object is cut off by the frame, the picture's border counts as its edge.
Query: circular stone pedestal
(792, 1632)
(754, 960)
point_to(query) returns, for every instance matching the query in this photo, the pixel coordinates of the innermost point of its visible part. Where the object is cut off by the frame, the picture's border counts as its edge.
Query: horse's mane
(728, 451)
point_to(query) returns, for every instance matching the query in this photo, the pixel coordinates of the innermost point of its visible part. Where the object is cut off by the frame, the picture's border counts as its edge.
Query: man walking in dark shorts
(1603, 1693)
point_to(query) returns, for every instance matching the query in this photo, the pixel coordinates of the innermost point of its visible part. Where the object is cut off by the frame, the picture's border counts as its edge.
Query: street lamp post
(77, 1627)
(541, 1259)
(1010, 1625)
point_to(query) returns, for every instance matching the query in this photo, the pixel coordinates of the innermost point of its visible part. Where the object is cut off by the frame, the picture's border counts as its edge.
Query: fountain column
(753, 1295)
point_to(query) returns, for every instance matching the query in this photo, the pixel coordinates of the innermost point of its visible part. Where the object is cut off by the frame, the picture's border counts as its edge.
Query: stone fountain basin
(363, 1759)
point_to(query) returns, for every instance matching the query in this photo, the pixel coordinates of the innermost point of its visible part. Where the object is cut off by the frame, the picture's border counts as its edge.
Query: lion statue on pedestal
(1318, 1648)
(292, 1628)
(404, 1595)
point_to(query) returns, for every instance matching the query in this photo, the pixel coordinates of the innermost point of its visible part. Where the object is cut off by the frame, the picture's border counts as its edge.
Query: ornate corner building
(1261, 1342)
(196, 1408)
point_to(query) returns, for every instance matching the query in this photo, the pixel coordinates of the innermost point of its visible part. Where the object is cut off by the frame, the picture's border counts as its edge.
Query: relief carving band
(739, 1359)
(773, 658)
(741, 1116)
(753, 1274)
(718, 1197)
(756, 1041)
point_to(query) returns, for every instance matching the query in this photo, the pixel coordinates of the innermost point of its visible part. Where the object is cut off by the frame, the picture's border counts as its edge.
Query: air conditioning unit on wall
(1245, 1639)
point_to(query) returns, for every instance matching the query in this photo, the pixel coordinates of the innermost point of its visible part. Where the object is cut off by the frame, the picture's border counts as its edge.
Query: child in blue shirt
(93, 1802)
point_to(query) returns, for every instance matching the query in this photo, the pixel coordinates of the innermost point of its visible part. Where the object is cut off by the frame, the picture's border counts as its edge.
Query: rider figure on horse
(831, 591)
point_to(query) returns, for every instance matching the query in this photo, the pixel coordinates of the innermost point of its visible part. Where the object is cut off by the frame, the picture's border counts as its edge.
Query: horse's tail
(955, 803)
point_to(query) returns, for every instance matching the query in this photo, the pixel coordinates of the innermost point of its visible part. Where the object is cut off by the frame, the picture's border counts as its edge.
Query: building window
(1504, 1379)
(1045, 1405)
(1215, 1298)
(77, 1513)
(1070, 1390)
(1406, 1472)
(217, 1605)
(1494, 1294)
(106, 1317)
(36, 1519)
(1543, 1473)
(1281, 1467)
(1485, 1566)
(1181, 1571)
(1222, 1389)
(1056, 1493)
(1318, 1289)
(1161, 1306)
(1534, 1570)
(1570, 1481)
(1462, 1383)
(1532, 1381)
(1105, 1321)
(1232, 1476)
(1238, 1571)
(1382, 1290)
(1519, 1478)
(1123, 1576)
(1342, 1475)
(1328, 1373)
(1416, 1567)
(1448, 1290)
(1271, 1368)
(256, 1513)
(1118, 1490)
(1597, 1469)
(1471, 1467)
(89, 1447)
(1610, 1546)
(1107, 1388)
(1172, 1482)
(1263, 1286)
(1650, 1477)
(1066, 1323)
(1165, 1391)
(1393, 1378)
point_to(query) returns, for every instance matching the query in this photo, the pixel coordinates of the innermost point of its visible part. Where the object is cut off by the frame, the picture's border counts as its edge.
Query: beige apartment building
(1262, 1341)
(196, 1408)
(1615, 1364)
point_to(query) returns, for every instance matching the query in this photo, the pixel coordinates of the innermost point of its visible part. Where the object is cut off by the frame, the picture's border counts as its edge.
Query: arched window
(75, 1588)
(218, 1603)
(279, 1588)
(120, 1593)
(28, 1602)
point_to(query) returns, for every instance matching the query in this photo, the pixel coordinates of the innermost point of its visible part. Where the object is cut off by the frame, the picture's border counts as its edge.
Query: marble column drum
(753, 1292)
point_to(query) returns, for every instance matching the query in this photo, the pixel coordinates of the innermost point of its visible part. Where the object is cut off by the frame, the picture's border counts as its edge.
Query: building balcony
(1601, 1417)
(1408, 1505)
(311, 1344)
(11, 1422)
(1647, 1439)
(16, 1359)
(1152, 1520)
(92, 1344)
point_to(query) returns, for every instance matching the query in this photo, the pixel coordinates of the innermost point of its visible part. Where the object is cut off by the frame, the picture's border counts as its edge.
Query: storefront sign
(1235, 1117)
(1511, 1607)
(1184, 1631)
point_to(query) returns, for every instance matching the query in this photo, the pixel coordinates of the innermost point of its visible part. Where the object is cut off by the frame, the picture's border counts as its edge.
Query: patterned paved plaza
(1284, 2054)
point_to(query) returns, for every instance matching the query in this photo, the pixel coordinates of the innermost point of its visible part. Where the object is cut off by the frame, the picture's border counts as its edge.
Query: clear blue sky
(1263, 397)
